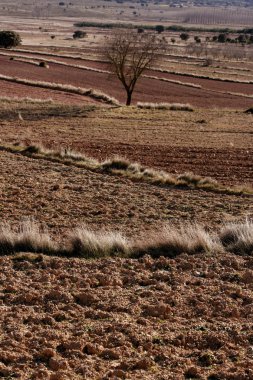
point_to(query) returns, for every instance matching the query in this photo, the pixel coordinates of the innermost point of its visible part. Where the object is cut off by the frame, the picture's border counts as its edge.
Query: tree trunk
(129, 98)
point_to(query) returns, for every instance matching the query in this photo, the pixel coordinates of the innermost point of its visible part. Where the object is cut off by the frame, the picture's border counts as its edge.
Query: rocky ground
(183, 318)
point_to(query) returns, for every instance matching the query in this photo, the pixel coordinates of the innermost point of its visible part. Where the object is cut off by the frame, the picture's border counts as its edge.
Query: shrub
(79, 34)
(222, 37)
(9, 39)
(43, 64)
(159, 28)
(184, 36)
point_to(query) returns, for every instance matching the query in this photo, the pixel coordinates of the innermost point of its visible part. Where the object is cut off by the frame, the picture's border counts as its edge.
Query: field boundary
(123, 168)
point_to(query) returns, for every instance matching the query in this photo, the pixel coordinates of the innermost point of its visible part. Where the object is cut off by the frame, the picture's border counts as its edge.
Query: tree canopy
(9, 39)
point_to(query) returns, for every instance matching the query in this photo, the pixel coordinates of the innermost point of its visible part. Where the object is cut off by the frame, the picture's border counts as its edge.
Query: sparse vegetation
(62, 87)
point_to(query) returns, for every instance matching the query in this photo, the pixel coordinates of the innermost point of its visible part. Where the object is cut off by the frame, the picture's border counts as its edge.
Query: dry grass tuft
(165, 106)
(25, 100)
(171, 242)
(89, 244)
(238, 237)
(28, 238)
(187, 84)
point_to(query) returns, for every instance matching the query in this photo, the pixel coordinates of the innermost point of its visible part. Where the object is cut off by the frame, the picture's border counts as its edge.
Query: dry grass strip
(168, 242)
(122, 167)
(94, 94)
(166, 106)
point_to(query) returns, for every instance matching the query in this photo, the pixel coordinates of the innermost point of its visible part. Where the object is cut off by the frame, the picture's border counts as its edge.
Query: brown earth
(173, 319)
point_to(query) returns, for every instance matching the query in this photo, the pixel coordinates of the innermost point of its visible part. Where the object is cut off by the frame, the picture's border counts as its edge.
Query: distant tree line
(161, 28)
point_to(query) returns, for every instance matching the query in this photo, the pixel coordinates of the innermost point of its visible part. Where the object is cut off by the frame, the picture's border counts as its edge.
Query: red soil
(146, 90)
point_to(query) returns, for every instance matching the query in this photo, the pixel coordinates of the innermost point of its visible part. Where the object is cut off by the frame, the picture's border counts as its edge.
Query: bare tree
(130, 54)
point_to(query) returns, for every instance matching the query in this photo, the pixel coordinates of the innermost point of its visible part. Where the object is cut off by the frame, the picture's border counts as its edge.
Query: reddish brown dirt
(190, 317)
(241, 88)
(13, 90)
(161, 91)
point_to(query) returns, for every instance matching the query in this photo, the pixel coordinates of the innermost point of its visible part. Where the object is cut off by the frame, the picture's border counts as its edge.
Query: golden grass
(35, 61)
(89, 244)
(132, 170)
(25, 100)
(201, 76)
(27, 238)
(170, 241)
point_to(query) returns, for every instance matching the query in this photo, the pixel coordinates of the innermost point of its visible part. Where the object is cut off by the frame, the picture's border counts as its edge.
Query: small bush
(79, 34)
(43, 64)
